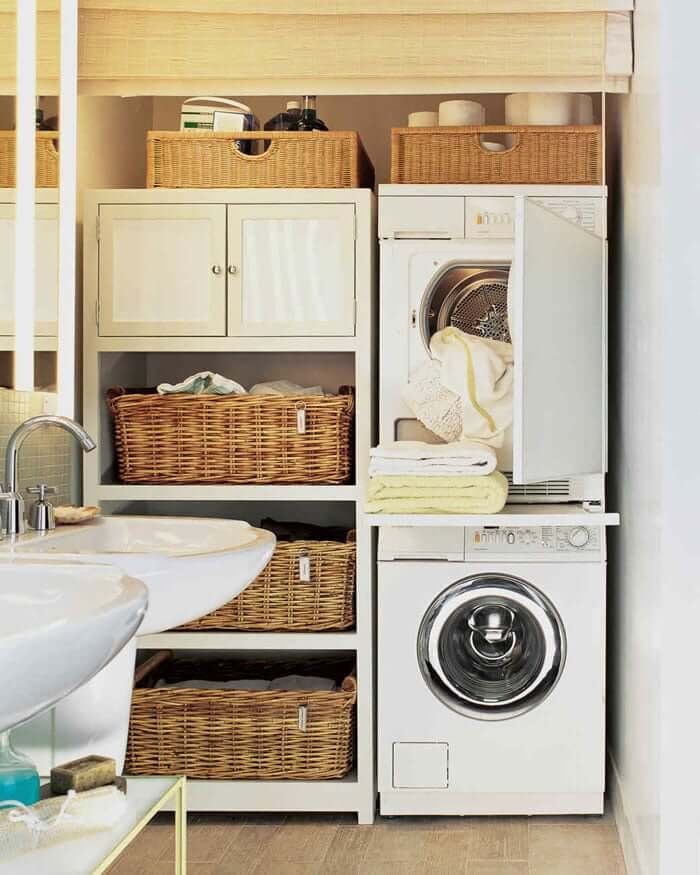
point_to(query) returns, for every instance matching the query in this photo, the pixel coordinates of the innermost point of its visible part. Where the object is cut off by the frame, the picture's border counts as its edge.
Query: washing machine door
(491, 647)
(465, 296)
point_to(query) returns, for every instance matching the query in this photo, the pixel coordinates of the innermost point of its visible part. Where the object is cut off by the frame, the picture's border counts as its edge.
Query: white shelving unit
(142, 355)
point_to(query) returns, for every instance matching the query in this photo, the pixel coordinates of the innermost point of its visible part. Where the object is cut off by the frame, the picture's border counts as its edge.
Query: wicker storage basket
(283, 598)
(294, 159)
(539, 154)
(232, 438)
(46, 159)
(236, 734)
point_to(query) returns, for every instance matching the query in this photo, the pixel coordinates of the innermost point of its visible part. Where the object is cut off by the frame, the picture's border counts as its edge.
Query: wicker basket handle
(150, 664)
(272, 149)
(112, 394)
(349, 685)
(517, 143)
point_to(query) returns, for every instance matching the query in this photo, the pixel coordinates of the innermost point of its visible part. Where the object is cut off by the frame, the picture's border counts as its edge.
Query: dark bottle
(308, 120)
(287, 120)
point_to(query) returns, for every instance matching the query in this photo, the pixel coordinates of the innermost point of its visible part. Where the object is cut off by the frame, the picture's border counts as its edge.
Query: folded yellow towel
(393, 493)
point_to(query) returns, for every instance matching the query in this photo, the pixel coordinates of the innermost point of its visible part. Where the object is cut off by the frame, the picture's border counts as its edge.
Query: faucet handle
(41, 513)
(42, 490)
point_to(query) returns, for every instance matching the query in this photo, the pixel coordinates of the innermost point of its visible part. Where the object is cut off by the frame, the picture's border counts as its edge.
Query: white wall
(655, 306)
(636, 439)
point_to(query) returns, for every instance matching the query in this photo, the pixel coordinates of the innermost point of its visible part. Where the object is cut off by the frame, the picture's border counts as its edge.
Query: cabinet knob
(216, 270)
(233, 269)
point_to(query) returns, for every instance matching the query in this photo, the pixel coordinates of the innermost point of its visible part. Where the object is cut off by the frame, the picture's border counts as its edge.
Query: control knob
(579, 537)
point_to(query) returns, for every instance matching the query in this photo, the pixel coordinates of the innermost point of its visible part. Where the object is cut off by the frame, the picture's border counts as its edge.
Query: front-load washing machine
(491, 670)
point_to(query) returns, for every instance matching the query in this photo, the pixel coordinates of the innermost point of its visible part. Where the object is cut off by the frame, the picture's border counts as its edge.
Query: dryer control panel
(535, 539)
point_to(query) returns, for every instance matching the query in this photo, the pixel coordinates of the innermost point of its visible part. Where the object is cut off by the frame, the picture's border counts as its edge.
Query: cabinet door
(46, 303)
(291, 269)
(557, 312)
(162, 270)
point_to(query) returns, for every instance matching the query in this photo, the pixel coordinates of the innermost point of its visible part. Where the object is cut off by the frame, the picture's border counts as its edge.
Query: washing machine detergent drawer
(548, 741)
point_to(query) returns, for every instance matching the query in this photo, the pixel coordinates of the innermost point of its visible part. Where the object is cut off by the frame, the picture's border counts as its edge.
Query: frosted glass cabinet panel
(162, 270)
(46, 303)
(291, 270)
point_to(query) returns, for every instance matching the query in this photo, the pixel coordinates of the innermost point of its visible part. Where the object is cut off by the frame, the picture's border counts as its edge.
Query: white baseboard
(628, 838)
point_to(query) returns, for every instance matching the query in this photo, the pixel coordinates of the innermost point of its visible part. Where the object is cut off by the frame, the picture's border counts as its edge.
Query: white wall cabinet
(217, 269)
(46, 303)
(162, 270)
(291, 270)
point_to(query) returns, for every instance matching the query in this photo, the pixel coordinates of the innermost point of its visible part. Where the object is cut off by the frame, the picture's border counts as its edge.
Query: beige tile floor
(335, 845)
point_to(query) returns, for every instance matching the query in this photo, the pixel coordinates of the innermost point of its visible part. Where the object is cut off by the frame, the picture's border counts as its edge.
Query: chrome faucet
(14, 503)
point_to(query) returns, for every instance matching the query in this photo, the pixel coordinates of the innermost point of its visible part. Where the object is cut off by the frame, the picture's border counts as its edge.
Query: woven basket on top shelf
(547, 154)
(241, 735)
(232, 439)
(294, 159)
(285, 598)
(46, 159)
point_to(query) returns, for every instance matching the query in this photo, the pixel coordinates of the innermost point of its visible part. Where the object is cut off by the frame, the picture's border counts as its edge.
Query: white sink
(60, 623)
(191, 566)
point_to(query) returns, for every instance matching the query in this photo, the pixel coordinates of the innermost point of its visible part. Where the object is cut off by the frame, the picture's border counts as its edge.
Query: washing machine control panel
(535, 539)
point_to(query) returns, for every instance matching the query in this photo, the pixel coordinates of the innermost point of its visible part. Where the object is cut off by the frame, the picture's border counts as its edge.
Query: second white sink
(60, 623)
(191, 566)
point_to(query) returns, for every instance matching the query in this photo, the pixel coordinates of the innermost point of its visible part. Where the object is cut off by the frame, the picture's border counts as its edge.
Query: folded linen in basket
(284, 387)
(303, 683)
(442, 494)
(256, 685)
(416, 457)
(203, 383)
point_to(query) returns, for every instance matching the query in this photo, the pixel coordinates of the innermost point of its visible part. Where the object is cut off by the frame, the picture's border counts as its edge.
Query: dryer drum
(491, 647)
(473, 299)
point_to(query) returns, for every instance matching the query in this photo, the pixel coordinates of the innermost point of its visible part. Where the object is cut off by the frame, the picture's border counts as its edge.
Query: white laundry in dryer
(491, 694)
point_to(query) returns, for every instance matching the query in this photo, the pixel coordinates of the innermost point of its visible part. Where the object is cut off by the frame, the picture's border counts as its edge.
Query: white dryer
(491, 670)
(481, 258)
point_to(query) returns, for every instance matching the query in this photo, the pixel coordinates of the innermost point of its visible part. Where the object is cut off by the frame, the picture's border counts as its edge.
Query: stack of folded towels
(415, 477)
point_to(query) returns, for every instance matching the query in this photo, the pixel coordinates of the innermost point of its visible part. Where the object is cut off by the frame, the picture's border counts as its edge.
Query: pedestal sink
(191, 566)
(60, 623)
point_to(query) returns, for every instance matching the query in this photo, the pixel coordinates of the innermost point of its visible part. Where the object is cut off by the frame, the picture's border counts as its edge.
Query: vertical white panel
(558, 344)
(67, 208)
(25, 246)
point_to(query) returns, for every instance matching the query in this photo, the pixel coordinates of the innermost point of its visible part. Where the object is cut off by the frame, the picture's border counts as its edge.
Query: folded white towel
(301, 682)
(203, 383)
(216, 685)
(416, 457)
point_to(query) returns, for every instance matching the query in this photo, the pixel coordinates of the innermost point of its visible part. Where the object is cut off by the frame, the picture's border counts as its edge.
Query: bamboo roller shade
(120, 45)
(341, 7)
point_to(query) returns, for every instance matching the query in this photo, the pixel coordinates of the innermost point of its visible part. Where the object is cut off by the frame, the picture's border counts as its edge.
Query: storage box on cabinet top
(46, 159)
(541, 154)
(241, 734)
(307, 586)
(291, 159)
(241, 439)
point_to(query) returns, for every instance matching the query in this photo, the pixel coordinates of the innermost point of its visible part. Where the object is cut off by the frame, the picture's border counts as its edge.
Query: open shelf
(511, 515)
(249, 641)
(343, 794)
(194, 492)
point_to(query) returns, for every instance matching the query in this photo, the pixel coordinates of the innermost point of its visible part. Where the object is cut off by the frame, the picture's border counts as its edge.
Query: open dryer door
(557, 310)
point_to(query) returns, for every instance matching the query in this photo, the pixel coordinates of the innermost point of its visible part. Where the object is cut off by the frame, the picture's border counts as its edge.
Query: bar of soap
(86, 773)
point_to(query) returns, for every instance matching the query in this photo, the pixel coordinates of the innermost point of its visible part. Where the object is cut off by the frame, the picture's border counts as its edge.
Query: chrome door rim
(511, 591)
